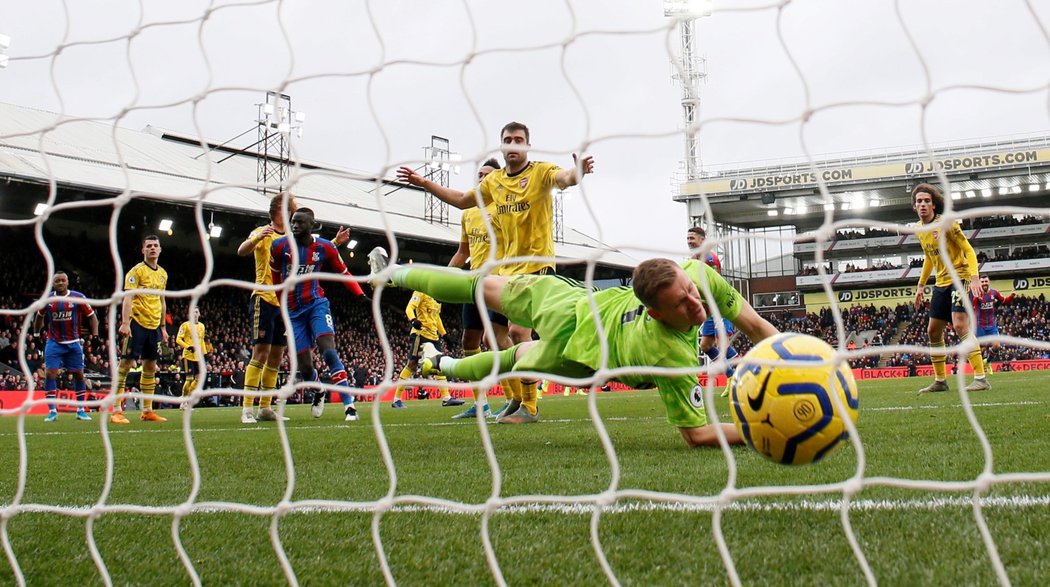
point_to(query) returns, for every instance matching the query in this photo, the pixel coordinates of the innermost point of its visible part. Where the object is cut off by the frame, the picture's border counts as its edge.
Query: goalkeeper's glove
(416, 324)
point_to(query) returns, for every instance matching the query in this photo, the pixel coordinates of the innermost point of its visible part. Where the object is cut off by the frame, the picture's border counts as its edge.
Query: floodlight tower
(691, 71)
(441, 164)
(276, 121)
(559, 215)
(5, 42)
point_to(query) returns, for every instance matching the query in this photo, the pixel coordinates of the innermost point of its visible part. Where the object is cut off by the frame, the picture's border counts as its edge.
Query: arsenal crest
(523, 183)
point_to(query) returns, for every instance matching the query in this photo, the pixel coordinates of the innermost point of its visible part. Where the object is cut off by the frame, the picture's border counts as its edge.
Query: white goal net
(122, 119)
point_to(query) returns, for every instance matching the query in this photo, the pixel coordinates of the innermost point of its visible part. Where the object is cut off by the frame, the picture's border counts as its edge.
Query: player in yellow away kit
(946, 301)
(191, 366)
(522, 220)
(424, 315)
(142, 326)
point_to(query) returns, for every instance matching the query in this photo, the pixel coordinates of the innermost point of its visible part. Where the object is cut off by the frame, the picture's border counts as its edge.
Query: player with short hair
(308, 308)
(984, 312)
(64, 320)
(946, 302)
(424, 317)
(474, 247)
(142, 326)
(522, 220)
(652, 325)
(695, 237)
(190, 364)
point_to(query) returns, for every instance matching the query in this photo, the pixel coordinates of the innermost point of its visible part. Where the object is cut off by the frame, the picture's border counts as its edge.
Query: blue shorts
(982, 331)
(472, 318)
(312, 323)
(64, 356)
(944, 301)
(708, 327)
(267, 324)
(142, 344)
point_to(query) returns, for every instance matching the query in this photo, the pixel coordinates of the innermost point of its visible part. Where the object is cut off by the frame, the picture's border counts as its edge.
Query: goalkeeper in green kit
(652, 325)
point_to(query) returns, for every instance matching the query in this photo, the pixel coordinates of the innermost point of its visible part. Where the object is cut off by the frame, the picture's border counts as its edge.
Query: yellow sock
(122, 380)
(938, 357)
(528, 395)
(987, 365)
(269, 383)
(252, 378)
(406, 373)
(149, 386)
(975, 360)
(187, 388)
(445, 393)
(512, 389)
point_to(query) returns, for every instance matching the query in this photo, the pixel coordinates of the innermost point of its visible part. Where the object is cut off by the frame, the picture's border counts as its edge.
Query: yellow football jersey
(523, 218)
(185, 340)
(476, 235)
(428, 311)
(960, 254)
(262, 264)
(146, 308)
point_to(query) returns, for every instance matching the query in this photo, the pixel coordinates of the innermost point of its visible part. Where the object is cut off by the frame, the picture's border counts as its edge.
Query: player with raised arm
(142, 326)
(946, 301)
(424, 317)
(308, 308)
(474, 247)
(63, 350)
(652, 325)
(190, 365)
(522, 220)
(695, 237)
(268, 330)
(984, 311)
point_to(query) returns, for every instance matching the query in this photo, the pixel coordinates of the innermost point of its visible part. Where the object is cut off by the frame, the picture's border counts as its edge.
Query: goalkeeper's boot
(521, 416)
(269, 415)
(979, 385)
(51, 416)
(378, 260)
(472, 412)
(934, 387)
(432, 362)
(248, 416)
(82, 416)
(350, 413)
(317, 407)
(118, 418)
(508, 410)
(152, 416)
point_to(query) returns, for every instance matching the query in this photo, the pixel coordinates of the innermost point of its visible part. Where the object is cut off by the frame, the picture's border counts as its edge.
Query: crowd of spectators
(1001, 221)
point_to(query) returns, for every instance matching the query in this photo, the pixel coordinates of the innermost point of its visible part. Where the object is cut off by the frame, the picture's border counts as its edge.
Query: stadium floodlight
(986, 192)
(829, 207)
(1016, 189)
(300, 117)
(845, 206)
(772, 213)
(214, 231)
(801, 209)
(268, 108)
(789, 211)
(1033, 187)
(956, 196)
(352, 244)
(1003, 191)
(1047, 186)
(165, 225)
(40, 209)
(688, 8)
(875, 203)
(970, 194)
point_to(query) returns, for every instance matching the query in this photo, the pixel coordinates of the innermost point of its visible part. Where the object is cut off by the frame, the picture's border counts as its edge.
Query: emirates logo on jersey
(523, 183)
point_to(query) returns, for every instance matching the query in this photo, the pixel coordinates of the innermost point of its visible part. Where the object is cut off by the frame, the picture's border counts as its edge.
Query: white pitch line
(806, 505)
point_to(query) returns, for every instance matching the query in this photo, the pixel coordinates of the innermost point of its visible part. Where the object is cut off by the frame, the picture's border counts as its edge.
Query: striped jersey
(984, 307)
(318, 256)
(65, 319)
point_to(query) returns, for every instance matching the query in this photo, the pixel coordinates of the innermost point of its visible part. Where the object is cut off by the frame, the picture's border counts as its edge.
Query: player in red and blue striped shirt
(308, 308)
(64, 320)
(984, 312)
(694, 238)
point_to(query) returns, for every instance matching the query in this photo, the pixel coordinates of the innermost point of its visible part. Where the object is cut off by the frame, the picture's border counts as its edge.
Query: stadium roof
(97, 156)
(1012, 171)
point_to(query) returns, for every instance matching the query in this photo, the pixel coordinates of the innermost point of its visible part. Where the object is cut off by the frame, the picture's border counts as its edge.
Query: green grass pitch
(909, 536)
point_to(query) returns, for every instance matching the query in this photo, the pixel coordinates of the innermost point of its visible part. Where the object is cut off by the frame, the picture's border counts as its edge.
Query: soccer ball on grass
(784, 408)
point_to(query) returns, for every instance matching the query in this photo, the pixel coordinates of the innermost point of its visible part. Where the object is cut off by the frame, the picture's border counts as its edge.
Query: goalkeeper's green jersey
(638, 340)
